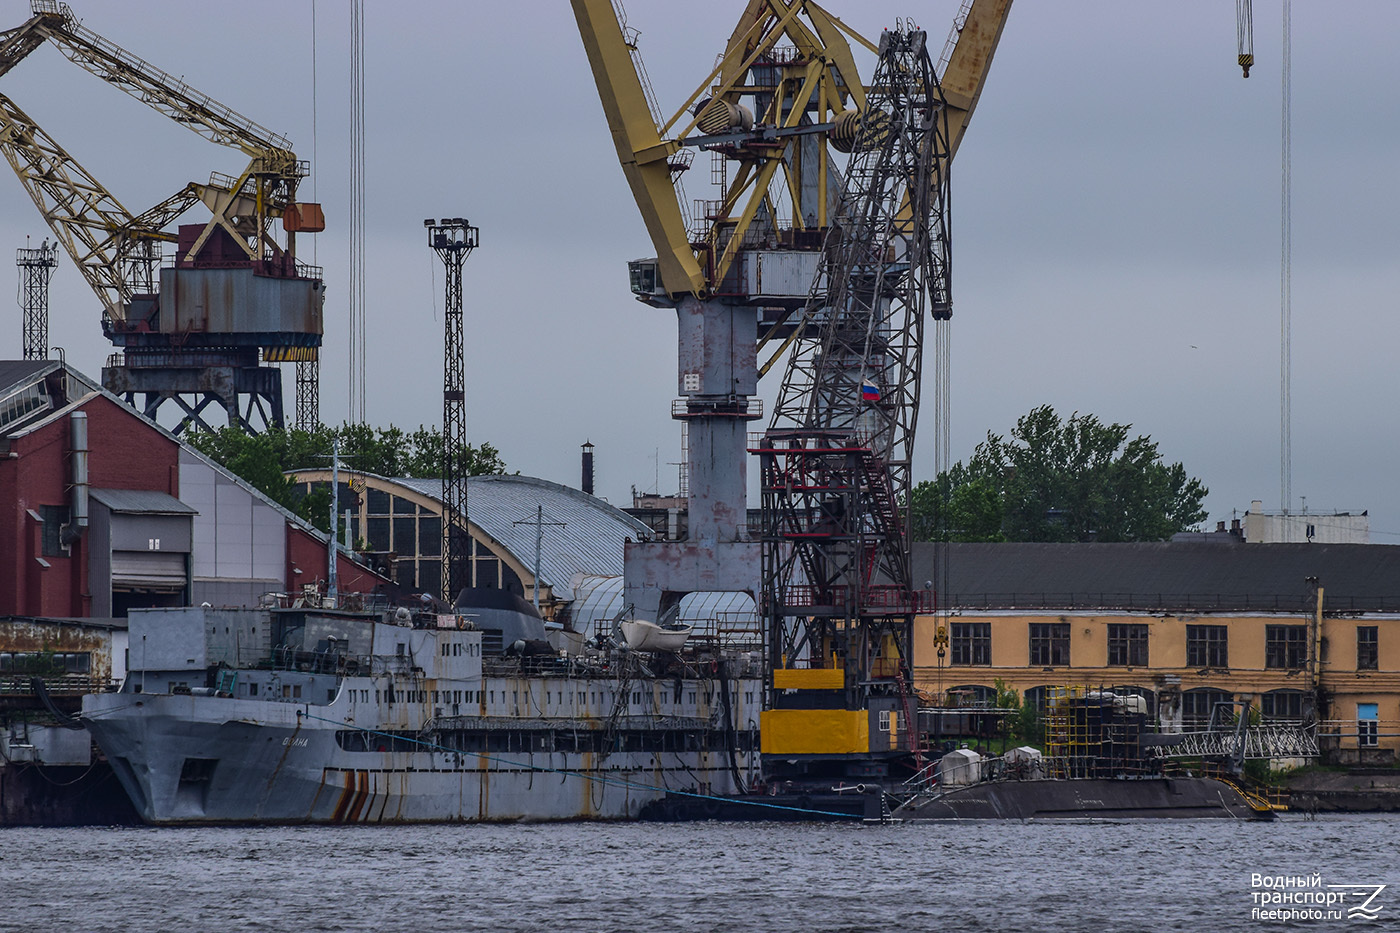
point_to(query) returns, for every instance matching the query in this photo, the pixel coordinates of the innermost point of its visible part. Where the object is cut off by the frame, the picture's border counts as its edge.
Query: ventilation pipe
(78, 441)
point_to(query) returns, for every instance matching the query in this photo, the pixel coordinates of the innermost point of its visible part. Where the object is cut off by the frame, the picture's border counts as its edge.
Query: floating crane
(779, 114)
(838, 597)
(193, 332)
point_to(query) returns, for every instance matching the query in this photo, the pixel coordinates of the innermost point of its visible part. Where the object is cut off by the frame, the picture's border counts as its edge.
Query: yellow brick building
(1190, 625)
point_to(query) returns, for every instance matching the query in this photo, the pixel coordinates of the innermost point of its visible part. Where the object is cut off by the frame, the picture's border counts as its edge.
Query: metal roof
(589, 541)
(141, 501)
(30, 392)
(598, 600)
(1198, 575)
(15, 373)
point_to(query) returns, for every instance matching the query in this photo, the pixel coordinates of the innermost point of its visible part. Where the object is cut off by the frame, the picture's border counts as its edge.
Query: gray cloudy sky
(1116, 220)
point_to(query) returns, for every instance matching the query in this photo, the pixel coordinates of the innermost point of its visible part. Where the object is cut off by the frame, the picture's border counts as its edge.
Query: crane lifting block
(304, 217)
(814, 732)
(809, 678)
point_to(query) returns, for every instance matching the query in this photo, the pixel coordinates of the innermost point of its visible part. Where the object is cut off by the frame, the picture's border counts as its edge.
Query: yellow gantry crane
(119, 252)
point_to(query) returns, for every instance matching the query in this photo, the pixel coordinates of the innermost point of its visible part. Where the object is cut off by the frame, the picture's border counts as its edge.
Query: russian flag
(869, 393)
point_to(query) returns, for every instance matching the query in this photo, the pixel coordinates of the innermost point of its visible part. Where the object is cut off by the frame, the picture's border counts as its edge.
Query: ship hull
(209, 760)
(1087, 798)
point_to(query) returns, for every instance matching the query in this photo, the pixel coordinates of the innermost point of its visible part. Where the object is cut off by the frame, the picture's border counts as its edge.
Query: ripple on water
(1125, 876)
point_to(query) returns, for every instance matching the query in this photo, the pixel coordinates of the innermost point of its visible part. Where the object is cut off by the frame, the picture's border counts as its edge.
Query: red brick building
(97, 525)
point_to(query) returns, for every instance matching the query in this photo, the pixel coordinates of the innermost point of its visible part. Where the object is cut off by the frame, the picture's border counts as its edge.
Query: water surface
(976, 876)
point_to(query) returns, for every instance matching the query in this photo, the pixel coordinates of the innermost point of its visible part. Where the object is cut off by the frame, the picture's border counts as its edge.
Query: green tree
(1055, 479)
(262, 459)
(424, 459)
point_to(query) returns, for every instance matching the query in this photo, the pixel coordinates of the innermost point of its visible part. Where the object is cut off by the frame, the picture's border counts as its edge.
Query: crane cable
(315, 242)
(357, 212)
(1244, 28)
(1286, 273)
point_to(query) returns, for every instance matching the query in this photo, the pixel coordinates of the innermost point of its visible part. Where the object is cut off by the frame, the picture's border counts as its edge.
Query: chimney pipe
(588, 467)
(78, 443)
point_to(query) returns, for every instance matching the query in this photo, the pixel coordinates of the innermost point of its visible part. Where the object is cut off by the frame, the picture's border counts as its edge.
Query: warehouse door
(150, 571)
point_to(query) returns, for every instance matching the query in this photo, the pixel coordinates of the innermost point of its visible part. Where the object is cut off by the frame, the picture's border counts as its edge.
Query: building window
(1127, 645)
(972, 695)
(1367, 648)
(55, 517)
(46, 663)
(1286, 705)
(1050, 644)
(1367, 722)
(430, 536)
(1036, 697)
(1207, 646)
(972, 643)
(1198, 706)
(378, 534)
(1285, 646)
(404, 542)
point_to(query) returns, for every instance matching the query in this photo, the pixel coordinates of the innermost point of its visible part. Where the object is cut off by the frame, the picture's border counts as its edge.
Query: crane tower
(453, 239)
(838, 597)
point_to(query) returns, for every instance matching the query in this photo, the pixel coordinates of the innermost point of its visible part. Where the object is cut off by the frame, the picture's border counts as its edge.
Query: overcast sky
(1115, 214)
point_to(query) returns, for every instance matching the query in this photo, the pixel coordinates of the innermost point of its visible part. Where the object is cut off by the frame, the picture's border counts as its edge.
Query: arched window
(1036, 697)
(1282, 706)
(972, 695)
(1197, 706)
(1147, 693)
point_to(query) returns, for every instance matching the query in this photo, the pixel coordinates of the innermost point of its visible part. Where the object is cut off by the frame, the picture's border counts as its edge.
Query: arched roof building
(399, 523)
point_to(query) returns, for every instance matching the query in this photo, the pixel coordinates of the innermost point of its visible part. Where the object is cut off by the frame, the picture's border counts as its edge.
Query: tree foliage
(1055, 479)
(262, 459)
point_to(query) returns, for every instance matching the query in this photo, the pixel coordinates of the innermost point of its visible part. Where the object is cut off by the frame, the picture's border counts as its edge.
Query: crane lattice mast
(836, 460)
(35, 271)
(453, 240)
(308, 376)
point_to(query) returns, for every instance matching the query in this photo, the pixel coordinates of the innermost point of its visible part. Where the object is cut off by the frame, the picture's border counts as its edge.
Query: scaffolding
(1096, 733)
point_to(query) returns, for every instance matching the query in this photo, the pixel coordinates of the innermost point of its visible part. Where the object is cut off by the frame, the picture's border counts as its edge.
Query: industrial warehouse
(178, 648)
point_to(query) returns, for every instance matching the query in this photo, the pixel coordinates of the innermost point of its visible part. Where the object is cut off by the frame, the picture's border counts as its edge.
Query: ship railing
(505, 666)
(923, 780)
(348, 602)
(293, 658)
(1259, 796)
(1065, 767)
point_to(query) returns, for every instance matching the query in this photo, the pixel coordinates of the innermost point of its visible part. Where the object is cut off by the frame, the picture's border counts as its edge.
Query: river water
(977, 876)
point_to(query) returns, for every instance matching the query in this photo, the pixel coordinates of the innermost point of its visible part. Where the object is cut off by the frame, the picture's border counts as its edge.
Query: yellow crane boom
(973, 43)
(641, 150)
